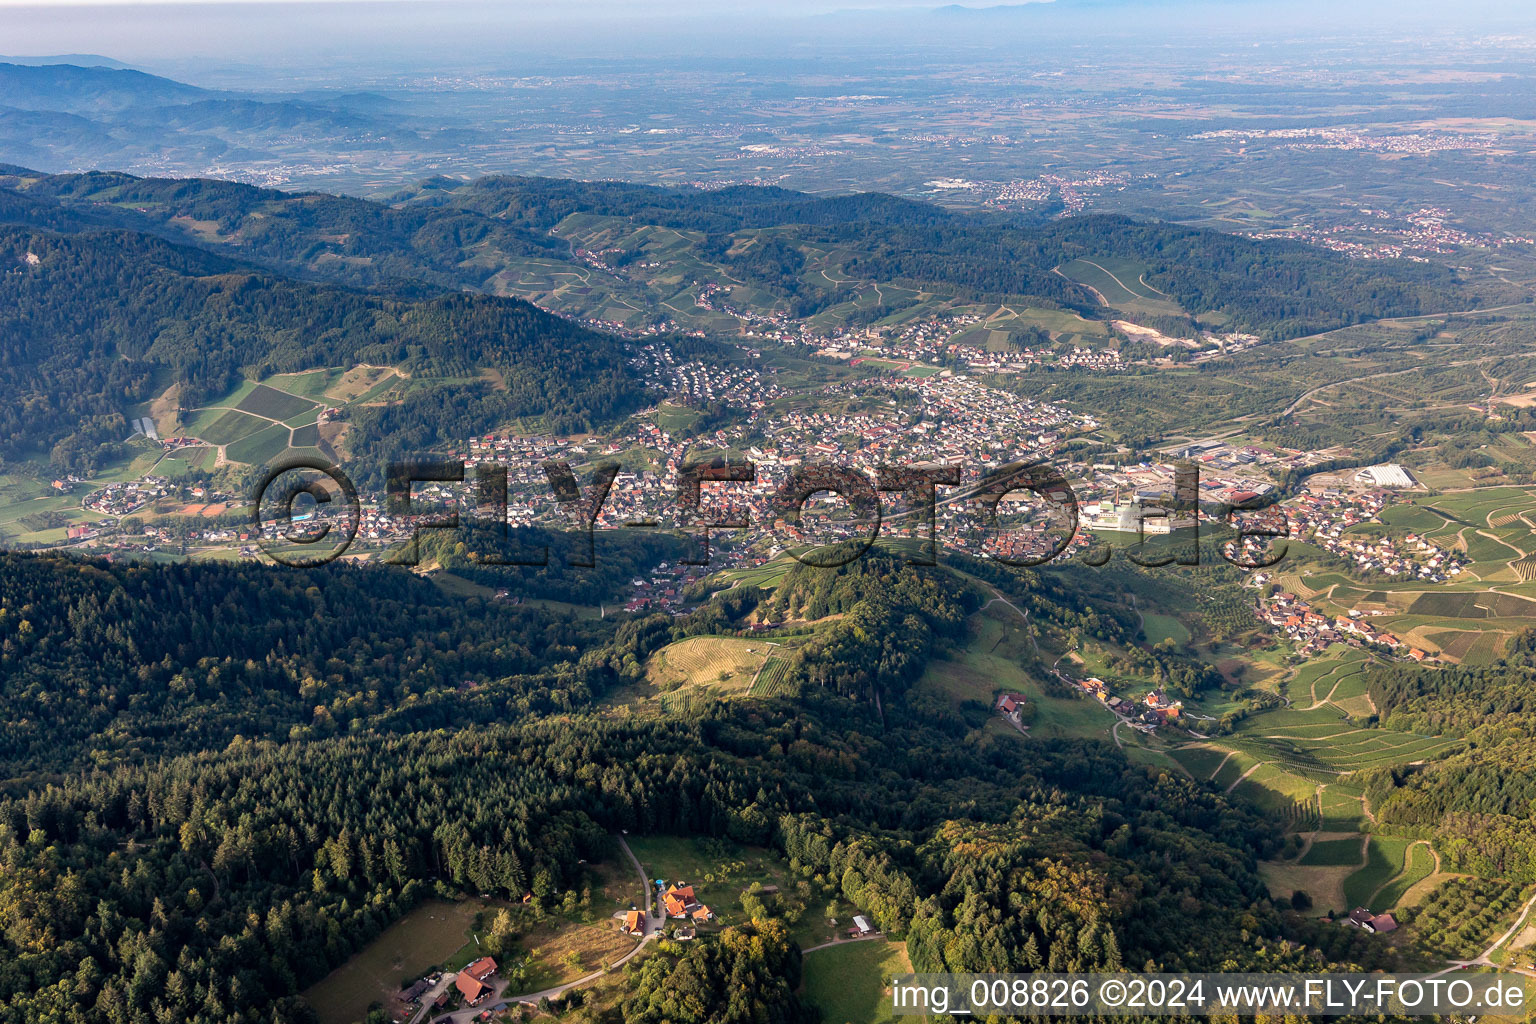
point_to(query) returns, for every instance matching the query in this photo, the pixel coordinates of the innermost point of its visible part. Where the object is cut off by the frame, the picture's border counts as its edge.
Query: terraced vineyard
(773, 679)
(726, 664)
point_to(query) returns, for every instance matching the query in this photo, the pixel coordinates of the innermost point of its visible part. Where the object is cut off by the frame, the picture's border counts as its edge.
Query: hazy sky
(198, 35)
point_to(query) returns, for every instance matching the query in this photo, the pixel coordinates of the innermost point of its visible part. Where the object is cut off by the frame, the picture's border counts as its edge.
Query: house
(679, 901)
(481, 969)
(1376, 923)
(861, 925)
(634, 923)
(684, 934)
(472, 989)
(701, 913)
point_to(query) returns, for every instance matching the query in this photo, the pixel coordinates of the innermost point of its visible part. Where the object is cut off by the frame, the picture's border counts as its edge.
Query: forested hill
(212, 889)
(93, 321)
(379, 245)
(107, 664)
(1479, 803)
(449, 232)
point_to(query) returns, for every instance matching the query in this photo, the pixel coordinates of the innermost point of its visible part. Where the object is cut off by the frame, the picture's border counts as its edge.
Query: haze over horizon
(185, 35)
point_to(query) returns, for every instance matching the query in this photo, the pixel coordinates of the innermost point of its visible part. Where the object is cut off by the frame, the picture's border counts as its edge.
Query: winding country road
(1485, 959)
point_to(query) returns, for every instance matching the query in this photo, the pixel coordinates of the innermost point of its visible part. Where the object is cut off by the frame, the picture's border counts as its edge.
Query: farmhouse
(481, 969)
(1375, 923)
(680, 901)
(634, 923)
(471, 989)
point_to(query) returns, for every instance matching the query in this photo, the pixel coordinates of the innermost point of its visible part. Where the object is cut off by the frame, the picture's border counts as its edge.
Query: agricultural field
(1385, 858)
(1334, 852)
(1286, 796)
(1323, 739)
(773, 679)
(1121, 284)
(1340, 872)
(1199, 759)
(720, 665)
(1341, 809)
(260, 422)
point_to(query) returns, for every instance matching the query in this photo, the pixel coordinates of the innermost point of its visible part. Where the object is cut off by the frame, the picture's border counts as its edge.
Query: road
(843, 942)
(1485, 959)
(499, 985)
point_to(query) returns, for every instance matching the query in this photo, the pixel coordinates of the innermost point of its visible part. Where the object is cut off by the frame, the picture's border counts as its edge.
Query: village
(1313, 632)
(940, 419)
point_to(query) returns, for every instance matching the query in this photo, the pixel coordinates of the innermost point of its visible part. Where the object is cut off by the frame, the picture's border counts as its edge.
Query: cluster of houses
(128, 497)
(931, 340)
(473, 984)
(1325, 518)
(950, 420)
(1313, 632)
(680, 903)
(1153, 710)
(693, 381)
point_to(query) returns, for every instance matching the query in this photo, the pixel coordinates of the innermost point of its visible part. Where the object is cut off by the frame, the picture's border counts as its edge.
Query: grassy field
(427, 936)
(570, 940)
(1161, 627)
(993, 661)
(1334, 852)
(1420, 865)
(850, 982)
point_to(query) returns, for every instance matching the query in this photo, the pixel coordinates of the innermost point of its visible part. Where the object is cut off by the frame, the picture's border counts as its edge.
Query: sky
(181, 36)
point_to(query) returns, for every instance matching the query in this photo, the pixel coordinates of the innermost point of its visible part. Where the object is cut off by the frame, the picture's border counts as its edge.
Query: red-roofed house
(471, 989)
(481, 969)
